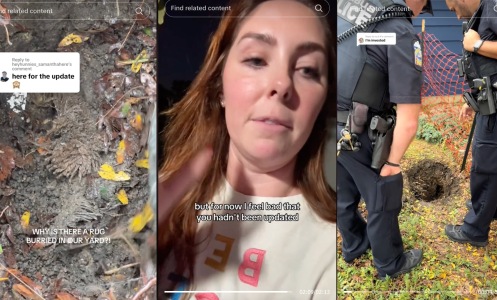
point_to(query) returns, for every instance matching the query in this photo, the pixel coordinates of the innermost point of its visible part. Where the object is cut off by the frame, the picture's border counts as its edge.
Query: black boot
(413, 258)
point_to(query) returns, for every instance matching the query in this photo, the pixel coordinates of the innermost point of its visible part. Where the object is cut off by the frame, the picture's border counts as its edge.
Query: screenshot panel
(416, 174)
(247, 102)
(77, 101)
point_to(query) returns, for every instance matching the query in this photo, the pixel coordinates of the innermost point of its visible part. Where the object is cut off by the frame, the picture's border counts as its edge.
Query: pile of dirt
(51, 150)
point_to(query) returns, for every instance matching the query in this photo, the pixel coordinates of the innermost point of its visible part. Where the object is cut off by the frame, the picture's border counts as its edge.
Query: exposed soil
(51, 152)
(430, 180)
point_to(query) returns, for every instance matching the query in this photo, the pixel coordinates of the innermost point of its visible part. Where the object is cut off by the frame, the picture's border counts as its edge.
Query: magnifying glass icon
(318, 7)
(139, 11)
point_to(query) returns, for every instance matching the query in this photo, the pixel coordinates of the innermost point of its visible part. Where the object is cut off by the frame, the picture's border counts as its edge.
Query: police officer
(481, 43)
(372, 79)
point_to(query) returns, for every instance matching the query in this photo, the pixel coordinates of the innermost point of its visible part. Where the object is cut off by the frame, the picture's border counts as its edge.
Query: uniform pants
(383, 197)
(483, 179)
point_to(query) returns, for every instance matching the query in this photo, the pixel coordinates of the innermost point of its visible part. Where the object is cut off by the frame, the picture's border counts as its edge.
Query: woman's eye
(255, 62)
(309, 72)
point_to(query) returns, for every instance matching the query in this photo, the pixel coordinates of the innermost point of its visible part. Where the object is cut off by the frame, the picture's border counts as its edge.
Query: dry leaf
(14, 271)
(10, 235)
(150, 84)
(25, 292)
(9, 256)
(120, 153)
(148, 67)
(133, 100)
(40, 141)
(65, 296)
(136, 66)
(72, 38)
(40, 245)
(7, 161)
(107, 172)
(30, 283)
(122, 197)
(139, 221)
(25, 220)
(137, 122)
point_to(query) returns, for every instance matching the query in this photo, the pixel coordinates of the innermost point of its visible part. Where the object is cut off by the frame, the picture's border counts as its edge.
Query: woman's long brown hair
(197, 121)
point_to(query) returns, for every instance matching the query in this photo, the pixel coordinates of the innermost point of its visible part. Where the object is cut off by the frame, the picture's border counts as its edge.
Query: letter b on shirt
(250, 268)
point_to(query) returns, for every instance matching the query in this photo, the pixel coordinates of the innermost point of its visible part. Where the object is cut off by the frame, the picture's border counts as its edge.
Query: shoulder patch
(418, 55)
(357, 12)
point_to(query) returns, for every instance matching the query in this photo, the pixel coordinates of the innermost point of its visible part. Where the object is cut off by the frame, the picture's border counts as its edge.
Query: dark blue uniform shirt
(401, 61)
(488, 23)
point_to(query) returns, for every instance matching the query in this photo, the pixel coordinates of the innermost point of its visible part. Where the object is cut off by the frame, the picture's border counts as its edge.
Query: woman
(251, 131)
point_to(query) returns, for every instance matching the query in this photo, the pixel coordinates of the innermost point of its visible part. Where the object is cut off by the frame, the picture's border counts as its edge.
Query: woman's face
(275, 82)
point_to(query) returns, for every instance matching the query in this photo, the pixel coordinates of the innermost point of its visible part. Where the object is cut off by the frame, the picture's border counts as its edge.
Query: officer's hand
(466, 111)
(172, 190)
(470, 38)
(387, 170)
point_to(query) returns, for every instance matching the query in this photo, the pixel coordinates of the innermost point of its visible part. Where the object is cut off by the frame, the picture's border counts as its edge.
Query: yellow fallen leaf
(478, 281)
(443, 275)
(142, 163)
(72, 39)
(4, 279)
(122, 197)
(137, 122)
(107, 172)
(25, 220)
(139, 221)
(136, 66)
(120, 153)
(133, 100)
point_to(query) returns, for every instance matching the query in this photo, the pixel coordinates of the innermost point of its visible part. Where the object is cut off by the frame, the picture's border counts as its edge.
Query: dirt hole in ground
(430, 180)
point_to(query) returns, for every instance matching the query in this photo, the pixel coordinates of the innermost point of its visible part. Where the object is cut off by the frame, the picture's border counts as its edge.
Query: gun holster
(381, 132)
(470, 101)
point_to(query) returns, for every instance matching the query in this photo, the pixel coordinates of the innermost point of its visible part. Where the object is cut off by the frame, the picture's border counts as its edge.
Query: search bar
(322, 8)
(111, 11)
(216, 8)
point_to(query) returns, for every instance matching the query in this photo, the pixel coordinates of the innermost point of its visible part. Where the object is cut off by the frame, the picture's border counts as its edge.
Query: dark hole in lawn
(430, 180)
